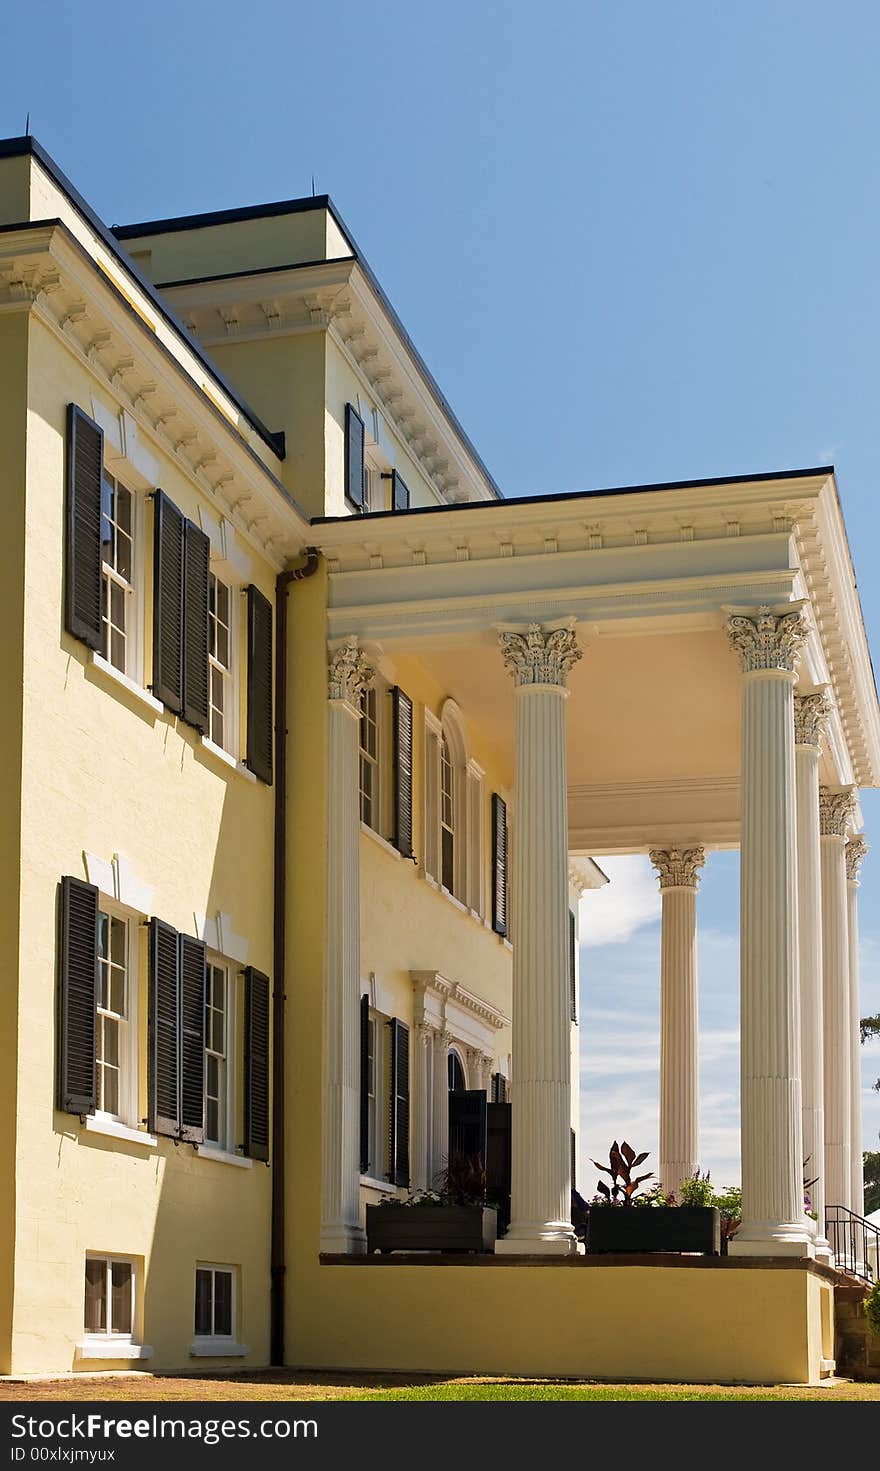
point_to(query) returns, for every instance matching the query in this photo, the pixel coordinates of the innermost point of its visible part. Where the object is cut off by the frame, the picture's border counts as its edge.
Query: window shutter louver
(197, 558)
(399, 492)
(499, 1088)
(78, 995)
(398, 1123)
(168, 581)
(192, 1038)
(572, 965)
(499, 864)
(82, 540)
(164, 1110)
(256, 1064)
(365, 1096)
(354, 457)
(402, 756)
(259, 685)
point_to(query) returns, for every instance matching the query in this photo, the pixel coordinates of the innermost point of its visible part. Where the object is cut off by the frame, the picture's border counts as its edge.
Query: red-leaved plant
(622, 1160)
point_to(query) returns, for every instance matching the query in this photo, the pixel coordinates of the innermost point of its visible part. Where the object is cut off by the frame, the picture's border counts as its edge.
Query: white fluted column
(679, 1069)
(539, 660)
(835, 817)
(811, 711)
(341, 1231)
(856, 849)
(440, 1105)
(768, 641)
(420, 1104)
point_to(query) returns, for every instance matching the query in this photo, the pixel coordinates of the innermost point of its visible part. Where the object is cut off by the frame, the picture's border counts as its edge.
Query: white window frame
(128, 1041)
(382, 774)
(212, 1339)
(476, 838)
(231, 970)
(134, 633)
(229, 673)
(467, 860)
(108, 1338)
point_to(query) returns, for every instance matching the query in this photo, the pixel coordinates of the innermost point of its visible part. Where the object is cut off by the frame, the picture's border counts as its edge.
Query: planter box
(642, 1228)
(431, 1228)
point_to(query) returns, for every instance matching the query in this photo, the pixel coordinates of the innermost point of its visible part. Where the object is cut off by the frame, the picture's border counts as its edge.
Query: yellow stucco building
(307, 726)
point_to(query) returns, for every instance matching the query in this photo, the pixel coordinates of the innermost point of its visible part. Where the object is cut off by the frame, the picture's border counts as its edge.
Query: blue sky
(634, 243)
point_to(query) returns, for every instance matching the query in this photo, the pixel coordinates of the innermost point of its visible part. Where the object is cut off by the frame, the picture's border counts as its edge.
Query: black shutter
(398, 1120)
(365, 1096)
(572, 965)
(402, 757)
(164, 1054)
(77, 997)
(354, 457)
(192, 1038)
(499, 1088)
(82, 535)
(259, 685)
(399, 492)
(168, 576)
(196, 564)
(499, 864)
(256, 1064)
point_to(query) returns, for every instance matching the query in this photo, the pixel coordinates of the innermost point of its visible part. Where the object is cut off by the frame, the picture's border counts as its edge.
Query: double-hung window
(215, 1302)
(112, 1014)
(117, 573)
(447, 816)
(216, 1055)
(369, 759)
(220, 661)
(109, 1298)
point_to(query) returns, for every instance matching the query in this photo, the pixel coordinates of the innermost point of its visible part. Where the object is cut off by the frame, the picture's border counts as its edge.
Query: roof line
(27, 144)
(295, 265)
(296, 206)
(574, 495)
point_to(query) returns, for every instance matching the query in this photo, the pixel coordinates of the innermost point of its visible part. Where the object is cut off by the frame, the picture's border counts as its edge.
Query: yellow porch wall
(700, 1325)
(13, 420)
(103, 773)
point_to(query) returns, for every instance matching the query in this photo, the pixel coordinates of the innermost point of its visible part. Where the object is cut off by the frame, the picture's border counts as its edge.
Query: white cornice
(433, 983)
(337, 297)
(46, 272)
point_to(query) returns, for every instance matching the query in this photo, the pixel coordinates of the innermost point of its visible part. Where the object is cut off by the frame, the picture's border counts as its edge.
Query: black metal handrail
(854, 1241)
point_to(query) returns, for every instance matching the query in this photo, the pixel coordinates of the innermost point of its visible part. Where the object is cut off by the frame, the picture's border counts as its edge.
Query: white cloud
(613, 913)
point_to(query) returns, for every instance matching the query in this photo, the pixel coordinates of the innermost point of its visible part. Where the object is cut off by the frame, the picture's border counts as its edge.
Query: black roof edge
(222, 217)
(299, 206)
(574, 495)
(27, 144)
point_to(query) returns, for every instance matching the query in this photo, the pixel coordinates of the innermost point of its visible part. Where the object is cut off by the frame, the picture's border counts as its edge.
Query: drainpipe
(279, 947)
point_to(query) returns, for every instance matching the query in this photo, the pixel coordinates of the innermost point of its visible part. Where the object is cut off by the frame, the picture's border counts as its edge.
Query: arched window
(457, 1079)
(454, 817)
(447, 816)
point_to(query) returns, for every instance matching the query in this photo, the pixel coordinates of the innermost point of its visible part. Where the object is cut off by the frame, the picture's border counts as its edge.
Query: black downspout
(279, 948)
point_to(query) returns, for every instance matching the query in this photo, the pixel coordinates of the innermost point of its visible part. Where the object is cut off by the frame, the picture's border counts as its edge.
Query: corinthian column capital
(856, 849)
(836, 811)
(677, 867)
(811, 712)
(539, 654)
(350, 672)
(767, 638)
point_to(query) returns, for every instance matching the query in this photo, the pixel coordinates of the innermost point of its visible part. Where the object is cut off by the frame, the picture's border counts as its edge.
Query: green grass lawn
(276, 1387)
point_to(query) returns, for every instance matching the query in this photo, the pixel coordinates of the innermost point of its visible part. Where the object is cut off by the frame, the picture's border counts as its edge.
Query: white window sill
(112, 1348)
(223, 1156)
(113, 1129)
(220, 755)
(385, 1186)
(389, 848)
(217, 1348)
(458, 904)
(129, 685)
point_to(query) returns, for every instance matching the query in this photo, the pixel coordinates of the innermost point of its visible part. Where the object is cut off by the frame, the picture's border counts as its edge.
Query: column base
(531, 1242)
(772, 1238)
(344, 1240)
